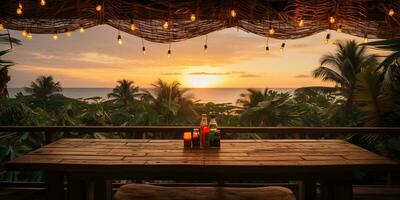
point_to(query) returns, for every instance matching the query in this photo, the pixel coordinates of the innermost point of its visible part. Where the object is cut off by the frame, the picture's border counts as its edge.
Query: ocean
(216, 95)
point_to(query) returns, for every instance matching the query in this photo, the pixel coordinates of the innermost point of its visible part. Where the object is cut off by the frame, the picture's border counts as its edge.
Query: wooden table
(87, 163)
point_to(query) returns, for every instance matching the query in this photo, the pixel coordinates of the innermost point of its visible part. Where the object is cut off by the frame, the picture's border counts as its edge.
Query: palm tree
(267, 108)
(171, 102)
(5, 64)
(342, 67)
(44, 87)
(125, 92)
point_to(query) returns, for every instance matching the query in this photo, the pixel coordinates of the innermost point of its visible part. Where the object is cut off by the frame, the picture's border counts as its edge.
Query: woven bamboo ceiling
(289, 19)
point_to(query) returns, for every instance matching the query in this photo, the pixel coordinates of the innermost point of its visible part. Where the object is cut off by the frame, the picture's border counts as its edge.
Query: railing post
(49, 137)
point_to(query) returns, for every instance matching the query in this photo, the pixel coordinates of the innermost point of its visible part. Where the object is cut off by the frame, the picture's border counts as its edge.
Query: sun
(202, 77)
(201, 81)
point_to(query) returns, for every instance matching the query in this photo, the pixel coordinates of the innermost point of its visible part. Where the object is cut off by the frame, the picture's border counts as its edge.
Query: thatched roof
(355, 17)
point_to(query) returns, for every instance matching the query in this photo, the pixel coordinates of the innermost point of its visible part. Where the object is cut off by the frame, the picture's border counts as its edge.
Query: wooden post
(309, 189)
(103, 190)
(336, 190)
(50, 137)
(54, 185)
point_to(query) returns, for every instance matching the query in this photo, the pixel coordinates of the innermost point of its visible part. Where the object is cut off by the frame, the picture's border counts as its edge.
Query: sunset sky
(235, 59)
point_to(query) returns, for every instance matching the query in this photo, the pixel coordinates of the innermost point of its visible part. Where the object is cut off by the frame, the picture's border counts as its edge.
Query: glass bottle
(203, 125)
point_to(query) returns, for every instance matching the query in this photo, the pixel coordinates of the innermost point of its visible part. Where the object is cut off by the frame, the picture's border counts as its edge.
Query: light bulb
(119, 39)
(193, 17)
(365, 38)
(24, 33)
(233, 13)
(282, 46)
(205, 48)
(332, 20)
(391, 12)
(81, 29)
(1, 26)
(133, 26)
(68, 33)
(19, 11)
(165, 25)
(301, 23)
(144, 50)
(339, 29)
(271, 30)
(29, 36)
(55, 36)
(169, 53)
(42, 2)
(98, 8)
(267, 49)
(328, 36)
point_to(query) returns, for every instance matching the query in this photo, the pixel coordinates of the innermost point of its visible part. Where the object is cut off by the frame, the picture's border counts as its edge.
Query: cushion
(151, 192)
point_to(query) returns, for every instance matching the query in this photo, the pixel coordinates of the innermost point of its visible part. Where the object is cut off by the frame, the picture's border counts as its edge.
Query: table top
(251, 157)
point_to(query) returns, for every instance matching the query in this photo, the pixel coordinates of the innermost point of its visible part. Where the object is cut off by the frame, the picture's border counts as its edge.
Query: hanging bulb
(55, 36)
(332, 20)
(205, 48)
(133, 26)
(282, 46)
(339, 29)
(119, 39)
(81, 29)
(267, 49)
(19, 11)
(328, 36)
(24, 33)
(29, 36)
(169, 53)
(365, 38)
(98, 8)
(301, 23)
(1, 26)
(271, 30)
(42, 2)
(144, 50)
(233, 13)
(165, 25)
(193, 17)
(391, 12)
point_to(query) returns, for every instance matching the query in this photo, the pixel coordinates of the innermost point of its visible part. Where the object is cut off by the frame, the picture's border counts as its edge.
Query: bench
(151, 192)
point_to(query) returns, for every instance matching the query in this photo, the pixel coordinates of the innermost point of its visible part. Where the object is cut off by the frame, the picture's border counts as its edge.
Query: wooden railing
(298, 132)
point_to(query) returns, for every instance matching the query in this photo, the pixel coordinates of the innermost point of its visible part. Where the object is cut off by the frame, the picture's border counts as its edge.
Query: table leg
(103, 190)
(310, 189)
(54, 185)
(336, 190)
(80, 189)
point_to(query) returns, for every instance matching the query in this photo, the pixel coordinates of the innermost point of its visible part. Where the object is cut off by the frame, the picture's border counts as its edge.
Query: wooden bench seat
(150, 192)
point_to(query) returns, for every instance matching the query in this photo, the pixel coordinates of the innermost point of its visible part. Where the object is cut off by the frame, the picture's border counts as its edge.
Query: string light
(339, 29)
(119, 39)
(143, 48)
(192, 17)
(24, 33)
(55, 36)
(301, 23)
(365, 37)
(165, 24)
(169, 51)
(205, 45)
(327, 38)
(332, 20)
(133, 26)
(391, 12)
(42, 2)
(271, 30)
(1, 26)
(29, 36)
(81, 29)
(98, 8)
(233, 13)
(283, 46)
(19, 9)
